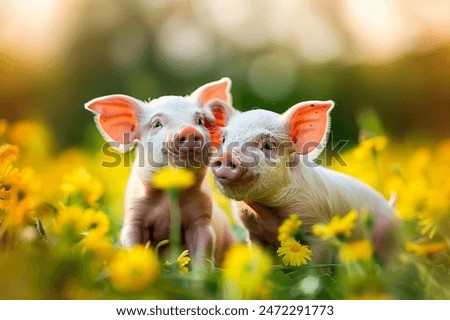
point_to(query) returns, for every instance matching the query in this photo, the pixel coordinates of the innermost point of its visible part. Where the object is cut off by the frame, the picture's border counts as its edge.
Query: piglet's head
(170, 130)
(261, 148)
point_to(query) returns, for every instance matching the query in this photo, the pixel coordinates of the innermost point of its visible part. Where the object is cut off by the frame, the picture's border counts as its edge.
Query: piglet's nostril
(217, 164)
(182, 139)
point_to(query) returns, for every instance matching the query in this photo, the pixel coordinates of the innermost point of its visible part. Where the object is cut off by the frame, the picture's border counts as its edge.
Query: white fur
(176, 112)
(314, 192)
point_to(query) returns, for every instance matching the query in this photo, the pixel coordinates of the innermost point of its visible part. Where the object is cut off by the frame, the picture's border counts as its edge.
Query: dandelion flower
(20, 210)
(294, 253)
(288, 227)
(8, 154)
(436, 216)
(70, 220)
(360, 250)
(338, 226)
(97, 222)
(173, 178)
(80, 180)
(5, 196)
(245, 272)
(182, 260)
(93, 192)
(425, 249)
(133, 269)
(16, 187)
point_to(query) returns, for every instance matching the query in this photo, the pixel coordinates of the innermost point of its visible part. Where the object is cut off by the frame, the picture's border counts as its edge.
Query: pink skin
(269, 194)
(228, 169)
(172, 131)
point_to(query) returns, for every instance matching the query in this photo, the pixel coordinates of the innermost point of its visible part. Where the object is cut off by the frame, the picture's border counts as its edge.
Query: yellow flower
(360, 250)
(294, 253)
(245, 272)
(173, 178)
(8, 154)
(367, 147)
(93, 192)
(437, 213)
(80, 180)
(99, 245)
(16, 187)
(288, 227)
(425, 249)
(76, 180)
(77, 220)
(5, 203)
(26, 182)
(337, 226)
(9, 175)
(133, 269)
(70, 219)
(19, 209)
(4, 197)
(97, 222)
(182, 260)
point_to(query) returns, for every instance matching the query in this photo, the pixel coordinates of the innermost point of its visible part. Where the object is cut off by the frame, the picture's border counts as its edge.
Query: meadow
(61, 213)
(385, 63)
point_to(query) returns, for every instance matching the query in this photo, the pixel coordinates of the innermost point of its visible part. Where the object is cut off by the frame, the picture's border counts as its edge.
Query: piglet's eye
(157, 124)
(201, 121)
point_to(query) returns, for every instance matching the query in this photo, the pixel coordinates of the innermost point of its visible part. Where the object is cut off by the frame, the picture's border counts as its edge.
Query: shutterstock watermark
(199, 154)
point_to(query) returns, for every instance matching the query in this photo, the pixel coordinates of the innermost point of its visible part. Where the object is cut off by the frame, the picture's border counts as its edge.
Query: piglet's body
(170, 131)
(271, 170)
(315, 194)
(147, 218)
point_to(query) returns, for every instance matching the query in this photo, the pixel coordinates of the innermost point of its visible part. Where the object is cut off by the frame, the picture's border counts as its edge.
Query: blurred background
(384, 62)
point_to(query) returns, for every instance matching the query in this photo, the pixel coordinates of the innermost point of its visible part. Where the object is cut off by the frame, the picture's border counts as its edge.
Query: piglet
(168, 131)
(267, 162)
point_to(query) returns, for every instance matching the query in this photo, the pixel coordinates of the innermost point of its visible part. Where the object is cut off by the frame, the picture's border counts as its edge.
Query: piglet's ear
(308, 124)
(217, 115)
(117, 119)
(219, 89)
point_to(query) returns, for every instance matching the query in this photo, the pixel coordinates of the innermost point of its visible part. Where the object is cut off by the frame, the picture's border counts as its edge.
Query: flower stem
(159, 245)
(175, 224)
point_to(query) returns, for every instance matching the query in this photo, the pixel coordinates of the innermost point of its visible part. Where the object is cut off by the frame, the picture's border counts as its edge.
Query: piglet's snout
(188, 139)
(228, 169)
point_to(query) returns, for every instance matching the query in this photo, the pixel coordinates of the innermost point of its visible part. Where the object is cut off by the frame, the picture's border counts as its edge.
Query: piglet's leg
(132, 234)
(200, 243)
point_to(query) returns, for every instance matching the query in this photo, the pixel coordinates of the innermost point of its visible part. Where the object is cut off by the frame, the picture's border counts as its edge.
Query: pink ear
(222, 113)
(116, 117)
(214, 90)
(308, 124)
